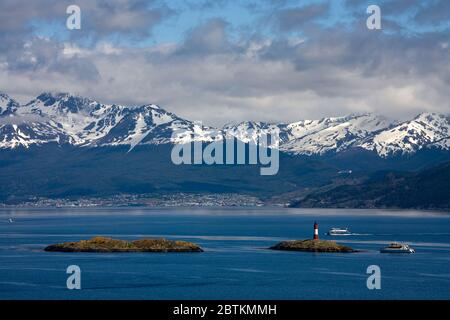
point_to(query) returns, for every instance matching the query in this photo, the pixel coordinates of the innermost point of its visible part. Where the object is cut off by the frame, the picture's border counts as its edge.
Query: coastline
(184, 200)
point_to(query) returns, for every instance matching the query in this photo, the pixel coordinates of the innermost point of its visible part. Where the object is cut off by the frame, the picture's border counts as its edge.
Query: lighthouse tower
(316, 231)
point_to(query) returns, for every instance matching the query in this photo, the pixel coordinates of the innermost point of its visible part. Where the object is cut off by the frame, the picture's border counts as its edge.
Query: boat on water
(10, 220)
(396, 247)
(339, 232)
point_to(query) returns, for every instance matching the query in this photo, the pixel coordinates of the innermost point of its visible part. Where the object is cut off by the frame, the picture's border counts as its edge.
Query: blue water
(235, 264)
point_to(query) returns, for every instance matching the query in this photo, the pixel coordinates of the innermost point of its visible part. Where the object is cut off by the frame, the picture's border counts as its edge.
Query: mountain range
(66, 146)
(68, 119)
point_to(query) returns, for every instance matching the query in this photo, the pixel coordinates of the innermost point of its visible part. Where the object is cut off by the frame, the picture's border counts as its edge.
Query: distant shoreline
(180, 200)
(16, 212)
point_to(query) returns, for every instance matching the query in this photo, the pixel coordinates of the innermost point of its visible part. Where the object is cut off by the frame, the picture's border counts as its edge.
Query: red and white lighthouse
(316, 231)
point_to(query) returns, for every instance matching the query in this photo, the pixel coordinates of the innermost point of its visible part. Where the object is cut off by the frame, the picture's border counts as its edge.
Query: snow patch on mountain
(427, 130)
(331, 134)
(29, 134)
(251, 132)
(8, 106)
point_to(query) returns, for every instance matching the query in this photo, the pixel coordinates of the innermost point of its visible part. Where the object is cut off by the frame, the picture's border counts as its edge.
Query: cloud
(435, 13)
(127, 17)
(217, 75)
(133, 18)
(18, 120)
(208, 38)
(22, 51)
(120, 19)
(412, 15)
(296, 18)
(40, 54)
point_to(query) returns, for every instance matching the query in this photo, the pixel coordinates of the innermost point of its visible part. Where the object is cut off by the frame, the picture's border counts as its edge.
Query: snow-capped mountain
(64, 118)
(67, 119)
(251, 132)
(309, 137)
(7, 105)
(427, 130)
(25, 130)
(332, 134)
(13, 135)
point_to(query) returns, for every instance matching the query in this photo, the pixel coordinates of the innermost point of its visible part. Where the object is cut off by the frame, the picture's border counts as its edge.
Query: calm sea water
(236, 263)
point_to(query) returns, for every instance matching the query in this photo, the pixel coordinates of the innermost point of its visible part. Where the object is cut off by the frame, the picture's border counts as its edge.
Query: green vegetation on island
(104, 244)
(312, 246)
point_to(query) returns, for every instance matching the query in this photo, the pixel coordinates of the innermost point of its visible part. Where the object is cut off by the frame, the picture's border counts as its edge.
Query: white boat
(396, 247)
(338, 232)
(10, 220)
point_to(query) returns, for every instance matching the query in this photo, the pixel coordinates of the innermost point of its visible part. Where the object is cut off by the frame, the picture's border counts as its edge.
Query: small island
(312, 245)
(104, 245)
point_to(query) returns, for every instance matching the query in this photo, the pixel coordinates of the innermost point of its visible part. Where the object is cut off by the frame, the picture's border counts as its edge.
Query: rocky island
(312, 246)
(104, 244)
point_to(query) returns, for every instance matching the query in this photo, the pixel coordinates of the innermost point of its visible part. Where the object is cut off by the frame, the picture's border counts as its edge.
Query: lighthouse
(316, 231)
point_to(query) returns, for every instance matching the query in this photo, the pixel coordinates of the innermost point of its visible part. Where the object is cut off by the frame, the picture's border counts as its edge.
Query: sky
(227, 61)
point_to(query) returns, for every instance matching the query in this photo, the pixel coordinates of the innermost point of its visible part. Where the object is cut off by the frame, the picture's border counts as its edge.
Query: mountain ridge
(63, 118)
